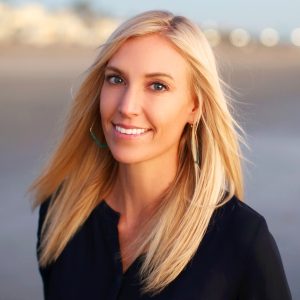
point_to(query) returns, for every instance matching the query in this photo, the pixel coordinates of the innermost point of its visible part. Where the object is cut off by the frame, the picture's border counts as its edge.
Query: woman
(141, 198)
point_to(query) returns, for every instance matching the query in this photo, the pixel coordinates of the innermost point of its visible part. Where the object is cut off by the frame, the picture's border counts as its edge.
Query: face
(146, 100)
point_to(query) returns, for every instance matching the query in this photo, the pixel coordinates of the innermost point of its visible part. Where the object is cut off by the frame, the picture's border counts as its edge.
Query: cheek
(170, 120)
(174, 110)
(106, 106)
(109, 100)
(102, 107)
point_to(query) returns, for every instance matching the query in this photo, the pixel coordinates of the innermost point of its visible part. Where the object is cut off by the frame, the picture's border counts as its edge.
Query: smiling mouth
(130, 131)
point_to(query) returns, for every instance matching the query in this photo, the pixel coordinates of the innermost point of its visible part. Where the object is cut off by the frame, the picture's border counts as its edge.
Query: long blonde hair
(209, 170)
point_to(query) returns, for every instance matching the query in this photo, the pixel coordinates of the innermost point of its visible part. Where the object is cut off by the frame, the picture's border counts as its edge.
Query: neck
(139, 186)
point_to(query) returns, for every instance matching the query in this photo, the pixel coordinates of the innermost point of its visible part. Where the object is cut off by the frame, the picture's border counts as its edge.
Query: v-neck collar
(111, 220)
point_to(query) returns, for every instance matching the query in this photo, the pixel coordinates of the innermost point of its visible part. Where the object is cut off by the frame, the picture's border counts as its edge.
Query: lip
(126, 126)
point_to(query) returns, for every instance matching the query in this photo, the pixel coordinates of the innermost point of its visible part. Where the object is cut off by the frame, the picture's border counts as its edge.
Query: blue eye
(157, 86)
(114, 79)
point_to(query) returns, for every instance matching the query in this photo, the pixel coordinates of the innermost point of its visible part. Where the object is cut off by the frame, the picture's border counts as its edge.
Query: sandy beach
(35, 90)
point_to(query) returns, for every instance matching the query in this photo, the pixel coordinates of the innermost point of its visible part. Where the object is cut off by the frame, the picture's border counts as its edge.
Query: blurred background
(46, 46)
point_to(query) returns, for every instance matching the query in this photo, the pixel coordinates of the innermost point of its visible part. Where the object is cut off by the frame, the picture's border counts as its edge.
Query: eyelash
(108, 79)
(165, 87)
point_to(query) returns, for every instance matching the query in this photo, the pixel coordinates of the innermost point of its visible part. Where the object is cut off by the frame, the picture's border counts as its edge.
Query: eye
(114, 79)
(158, 86)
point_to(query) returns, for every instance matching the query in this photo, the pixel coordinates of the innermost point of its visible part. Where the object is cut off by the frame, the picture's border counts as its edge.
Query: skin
(145, 87)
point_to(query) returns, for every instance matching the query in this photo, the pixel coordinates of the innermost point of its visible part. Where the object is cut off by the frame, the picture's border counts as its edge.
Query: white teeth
(133, 131)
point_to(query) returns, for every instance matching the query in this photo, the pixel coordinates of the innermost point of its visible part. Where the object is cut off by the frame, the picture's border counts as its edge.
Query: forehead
(149, 54)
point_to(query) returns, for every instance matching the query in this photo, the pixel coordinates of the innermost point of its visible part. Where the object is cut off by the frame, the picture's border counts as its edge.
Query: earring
(194, 145)
(94, 137)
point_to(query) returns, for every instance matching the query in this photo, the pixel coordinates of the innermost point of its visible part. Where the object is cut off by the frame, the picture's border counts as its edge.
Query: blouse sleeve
(264, 277)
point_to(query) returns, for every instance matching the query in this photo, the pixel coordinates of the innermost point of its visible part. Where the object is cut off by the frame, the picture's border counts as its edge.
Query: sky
(255, 15)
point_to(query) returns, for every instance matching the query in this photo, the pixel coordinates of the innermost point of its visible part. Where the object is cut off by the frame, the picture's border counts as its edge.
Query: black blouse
(237, 259)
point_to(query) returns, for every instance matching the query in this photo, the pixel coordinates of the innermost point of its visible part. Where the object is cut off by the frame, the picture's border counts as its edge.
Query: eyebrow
(150, 75)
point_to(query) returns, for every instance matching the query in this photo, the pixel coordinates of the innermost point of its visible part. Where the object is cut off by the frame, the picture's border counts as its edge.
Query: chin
(124, 157)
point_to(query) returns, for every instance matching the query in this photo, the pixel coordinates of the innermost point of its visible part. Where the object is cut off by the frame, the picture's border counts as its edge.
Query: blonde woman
(142, 198)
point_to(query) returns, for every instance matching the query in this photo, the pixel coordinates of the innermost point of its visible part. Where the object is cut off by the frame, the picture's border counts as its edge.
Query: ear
(195, 110)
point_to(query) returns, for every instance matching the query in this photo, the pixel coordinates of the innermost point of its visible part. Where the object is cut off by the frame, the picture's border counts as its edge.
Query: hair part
(208, 175)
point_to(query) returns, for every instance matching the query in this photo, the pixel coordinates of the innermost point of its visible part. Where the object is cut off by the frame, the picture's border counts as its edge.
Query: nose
(129, 103)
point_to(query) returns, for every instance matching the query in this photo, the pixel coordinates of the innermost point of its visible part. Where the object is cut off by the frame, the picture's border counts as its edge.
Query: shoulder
(43, 209)
(236, 212)
(239, 255)
(247, 231)
(239, 209)
(239, 223)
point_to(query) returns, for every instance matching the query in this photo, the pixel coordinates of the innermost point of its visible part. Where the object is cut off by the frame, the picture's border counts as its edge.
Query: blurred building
(33, 24)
